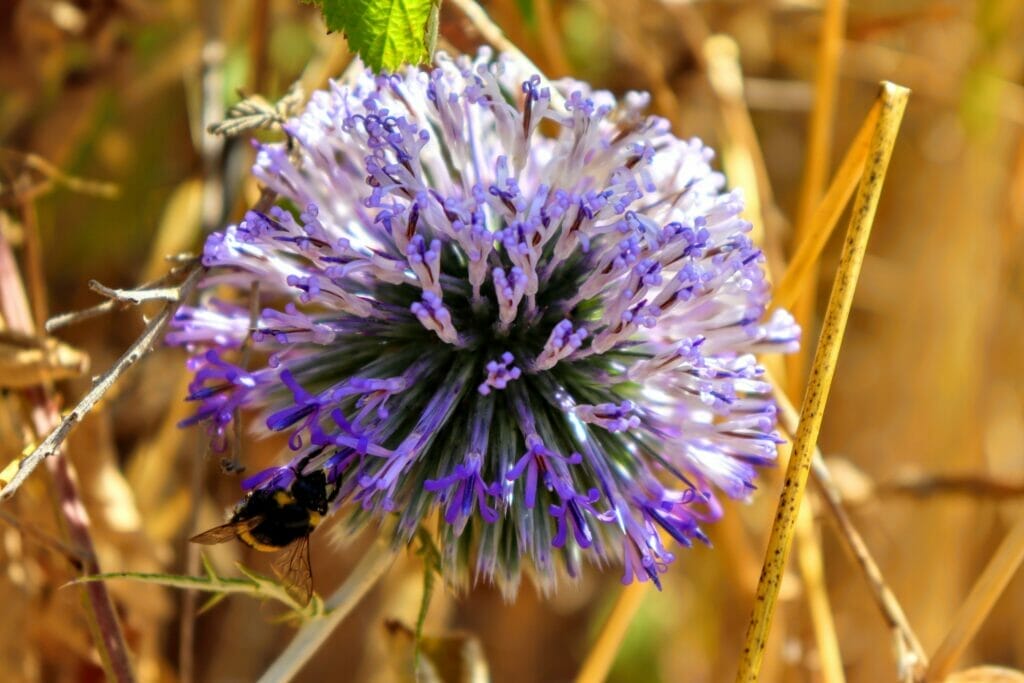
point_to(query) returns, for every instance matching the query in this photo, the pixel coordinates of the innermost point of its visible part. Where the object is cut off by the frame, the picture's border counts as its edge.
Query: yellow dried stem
(893, 100)
(812, 570)
(741, 155)
(886, 600)
(550, 41)
(811, 564)
(816, 164)
(987, 589)
(493, 34)
(602, 654)
(826, 216)
(822, 122)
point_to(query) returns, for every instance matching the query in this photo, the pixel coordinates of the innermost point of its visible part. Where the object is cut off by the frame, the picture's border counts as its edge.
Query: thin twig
(25, 191)
(602, 654)
(884, 597)
(136, 296)
(313, 634)
(139, 348)
(75, 317)
(928, 485)
(894, 100)
(980, 601)
(124, 298)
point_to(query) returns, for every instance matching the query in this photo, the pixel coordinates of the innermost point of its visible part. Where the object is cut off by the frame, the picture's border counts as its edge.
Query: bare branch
(136, 296)
(135, 352)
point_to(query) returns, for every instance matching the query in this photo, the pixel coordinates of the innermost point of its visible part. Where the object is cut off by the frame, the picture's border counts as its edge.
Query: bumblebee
(274, 518)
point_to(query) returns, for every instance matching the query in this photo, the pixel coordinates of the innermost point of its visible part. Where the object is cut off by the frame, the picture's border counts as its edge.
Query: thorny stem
(894, 99)
(314, 633)
(44, 415)
(139, 348)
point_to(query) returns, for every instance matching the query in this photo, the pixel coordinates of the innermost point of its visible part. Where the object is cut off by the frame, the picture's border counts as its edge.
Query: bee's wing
(293, 567)
(226, 532)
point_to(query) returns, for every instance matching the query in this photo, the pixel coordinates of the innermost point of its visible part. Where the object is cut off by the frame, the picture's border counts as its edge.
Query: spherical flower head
(528, 308)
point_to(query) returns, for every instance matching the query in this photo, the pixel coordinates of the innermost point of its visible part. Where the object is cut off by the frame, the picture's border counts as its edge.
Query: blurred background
(105, 169)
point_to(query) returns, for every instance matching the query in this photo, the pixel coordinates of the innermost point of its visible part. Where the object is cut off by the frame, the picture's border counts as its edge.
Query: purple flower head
(544, 333)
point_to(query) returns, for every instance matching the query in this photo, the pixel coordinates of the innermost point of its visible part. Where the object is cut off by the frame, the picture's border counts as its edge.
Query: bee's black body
(273, 518)
(285, 515)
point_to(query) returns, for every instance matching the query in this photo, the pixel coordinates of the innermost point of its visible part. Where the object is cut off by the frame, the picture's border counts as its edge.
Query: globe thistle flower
(533, 312)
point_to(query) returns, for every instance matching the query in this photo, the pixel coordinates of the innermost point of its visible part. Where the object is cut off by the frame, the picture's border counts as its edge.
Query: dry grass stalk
(826, 216)
(98, 606)
(980, 601)
(894, 99)
(812, 571)
(818, 155)
(602, 654)
(493, 34)
(886, 600)
(313, 634)
(742, 158)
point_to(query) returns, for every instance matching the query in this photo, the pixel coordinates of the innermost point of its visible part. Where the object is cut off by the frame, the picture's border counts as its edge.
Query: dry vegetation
(105, 170)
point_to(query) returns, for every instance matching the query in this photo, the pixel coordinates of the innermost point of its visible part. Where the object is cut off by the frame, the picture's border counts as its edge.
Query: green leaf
(385, 33)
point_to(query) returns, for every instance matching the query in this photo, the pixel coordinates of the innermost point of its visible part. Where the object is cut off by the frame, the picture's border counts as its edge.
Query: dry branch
(139, 348)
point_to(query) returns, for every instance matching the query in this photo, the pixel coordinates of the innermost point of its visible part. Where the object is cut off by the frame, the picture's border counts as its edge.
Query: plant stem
(314, 633)
(602, 654)
(971, 615)
(816, 165)
(99, 608)
(886, 600)
(826, 216)
(894, 100)
(139, 348)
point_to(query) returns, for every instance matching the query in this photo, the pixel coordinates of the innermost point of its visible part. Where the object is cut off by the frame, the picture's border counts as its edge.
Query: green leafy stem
(250, 583)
